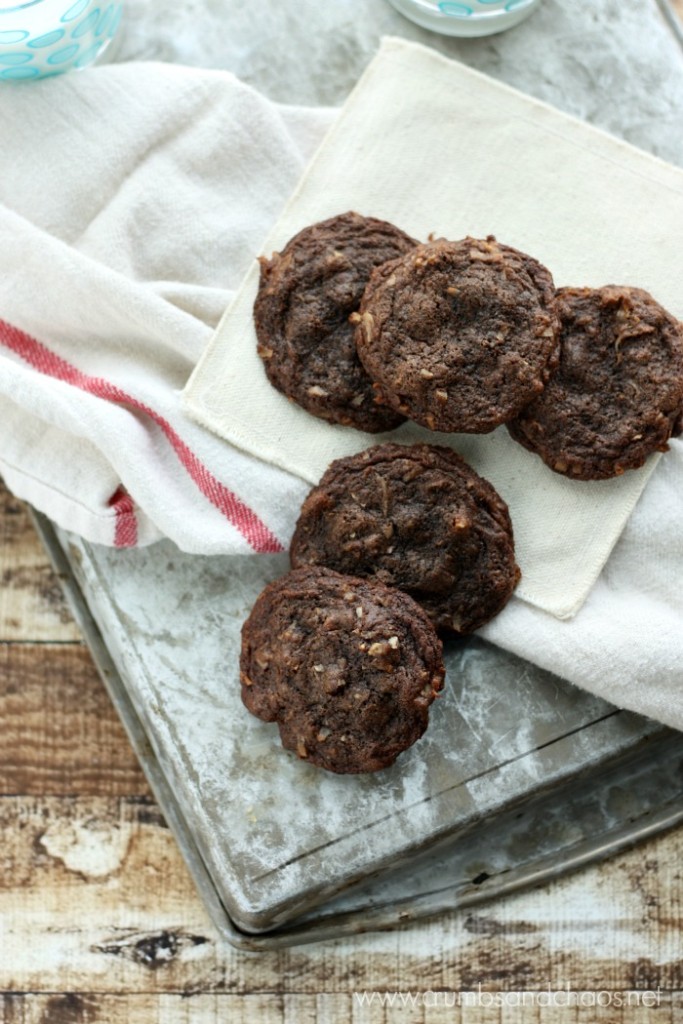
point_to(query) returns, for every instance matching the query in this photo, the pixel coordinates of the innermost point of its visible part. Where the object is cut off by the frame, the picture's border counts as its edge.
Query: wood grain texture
(256, 1008)
(100, 922)
(95, 898)
(61, 734)
(31, 603)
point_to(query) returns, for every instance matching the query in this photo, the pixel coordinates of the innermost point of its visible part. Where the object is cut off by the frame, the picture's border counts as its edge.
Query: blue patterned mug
(466, 18)
(39, 38)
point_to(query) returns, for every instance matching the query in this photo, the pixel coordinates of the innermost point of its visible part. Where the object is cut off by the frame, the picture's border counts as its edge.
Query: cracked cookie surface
(617, 395)
(415, 517)
(346, 667)
(459, 336)
(306, 294)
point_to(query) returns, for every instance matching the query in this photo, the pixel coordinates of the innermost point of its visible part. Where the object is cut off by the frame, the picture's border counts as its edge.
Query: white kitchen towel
(626, 643)
(132, 200)
(434, 146)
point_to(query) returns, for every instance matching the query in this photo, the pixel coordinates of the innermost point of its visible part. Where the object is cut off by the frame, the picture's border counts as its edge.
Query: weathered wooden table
(99, 921)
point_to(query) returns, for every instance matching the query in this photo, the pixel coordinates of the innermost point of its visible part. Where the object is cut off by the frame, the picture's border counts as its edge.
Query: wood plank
(31, 603)
(678, 7)
(61, 734)
(266, 1008)
(155, 1009)
(94, 897)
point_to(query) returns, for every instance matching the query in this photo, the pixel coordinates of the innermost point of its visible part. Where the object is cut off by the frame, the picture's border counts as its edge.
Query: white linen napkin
(132, 201)
(432, 145)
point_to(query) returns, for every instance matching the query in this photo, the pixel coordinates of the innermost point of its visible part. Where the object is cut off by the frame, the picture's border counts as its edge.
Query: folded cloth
(626, 642)
(133, 198)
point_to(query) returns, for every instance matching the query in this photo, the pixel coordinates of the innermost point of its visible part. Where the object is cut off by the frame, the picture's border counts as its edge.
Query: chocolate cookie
(306, 295)
(418, 518)
(459, 336)
(618, 393)
(346, 667)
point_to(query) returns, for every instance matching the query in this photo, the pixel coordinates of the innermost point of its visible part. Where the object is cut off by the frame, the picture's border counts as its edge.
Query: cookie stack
(363, 326)
(343, 653)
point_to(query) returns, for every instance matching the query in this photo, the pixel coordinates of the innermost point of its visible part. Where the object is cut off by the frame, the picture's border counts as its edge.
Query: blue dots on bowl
(454, 10)
(16, 74)
(105, 20)
(16, 36)
(75, 10)
(66, 53)
(91, 24)
(47, 40)
(15, 58)
(87, 24)
(118, 11)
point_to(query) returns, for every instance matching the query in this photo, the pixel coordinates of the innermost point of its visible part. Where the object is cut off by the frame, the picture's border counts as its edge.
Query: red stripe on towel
(233, 508)
(126, 529)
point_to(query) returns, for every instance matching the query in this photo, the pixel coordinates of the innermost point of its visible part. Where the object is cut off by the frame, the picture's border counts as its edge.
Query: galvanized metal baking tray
(520, 777)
